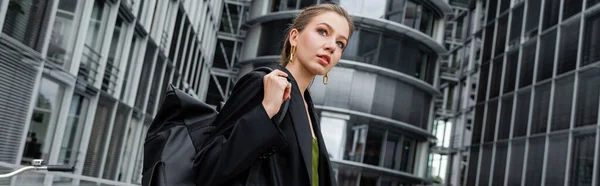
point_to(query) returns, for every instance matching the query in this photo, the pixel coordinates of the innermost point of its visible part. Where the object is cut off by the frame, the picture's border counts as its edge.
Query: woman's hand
(277, 89)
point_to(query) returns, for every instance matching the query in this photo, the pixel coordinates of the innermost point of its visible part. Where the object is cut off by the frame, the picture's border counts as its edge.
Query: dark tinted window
(591, 3)
(486, 164)
(510, 77)
(546, 56)
(557, 159)
(583, 159)
(563, 99)
(567, 53)
(473, 159)
(527, 64)
(504, 5)
(478, 124)
(522, 113)
(516, 162)
(591, 40)
(488, 42)
(367, 50)
(272, 36)
(373, 146)
(535, 161)
(483, 79)
(496, 77)
(586, 112)
(501, 35)
(500, 163)
(492, 7)
(26, 21)
(539, 116)
(517, 22)
(571, 7)
(490, 124)
(505, 117)
(551, 11)
(533, 15)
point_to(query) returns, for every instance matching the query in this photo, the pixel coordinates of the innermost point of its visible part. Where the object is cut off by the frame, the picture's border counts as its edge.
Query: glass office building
(376, 113)
(523, 91)
(80, 81)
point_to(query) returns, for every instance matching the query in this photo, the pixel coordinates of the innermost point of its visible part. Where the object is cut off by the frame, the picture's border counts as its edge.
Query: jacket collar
(297, 111)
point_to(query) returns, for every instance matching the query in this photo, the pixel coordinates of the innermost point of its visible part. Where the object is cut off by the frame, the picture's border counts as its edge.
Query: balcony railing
(88, 69)
(111, 75)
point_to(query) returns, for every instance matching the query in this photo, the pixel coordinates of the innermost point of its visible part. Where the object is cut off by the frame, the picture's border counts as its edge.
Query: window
(490, 124)
(546, 56)
(572, 7)
(333, 135)
(563, 99)
(473, 158)
(535, 161)
(516, 162)
(527, 64)
(591, 44)
(491, 11)
(586, 111)
(539, 116)
(567, 53)
(478, 124)
(347, 177)
(505, 117)
(111, 71)
(395, 11)
(412, 10)
(486, 163)
(60, 49)
(69, 148)
(427, 18)
(504, 5)
(533, 16)
(557, 159)
(43, 121)
(583, 159)
(483, 79)
(272, 37)
(409, 150)
(510, 76)
(26, 21)
(500, 163)
(551, 11)
(522, 113)
(355, 142)
(496, 77)
(517, 23)
(367, 50)
(373, 146)
(488, 42)
(393, 151)
(501, 35)
(591, 3)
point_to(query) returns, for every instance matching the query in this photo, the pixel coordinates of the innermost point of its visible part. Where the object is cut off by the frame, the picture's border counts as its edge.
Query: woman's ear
(293, 37)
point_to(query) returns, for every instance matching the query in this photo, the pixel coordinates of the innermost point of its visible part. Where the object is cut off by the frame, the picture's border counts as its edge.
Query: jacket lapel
(324, 169)
(300, 121)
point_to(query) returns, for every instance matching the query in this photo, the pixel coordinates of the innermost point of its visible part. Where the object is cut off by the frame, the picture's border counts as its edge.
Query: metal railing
(111, 75)
(88, 69)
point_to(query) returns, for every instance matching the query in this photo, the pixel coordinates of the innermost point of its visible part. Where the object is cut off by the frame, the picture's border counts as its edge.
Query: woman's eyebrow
(331, 28)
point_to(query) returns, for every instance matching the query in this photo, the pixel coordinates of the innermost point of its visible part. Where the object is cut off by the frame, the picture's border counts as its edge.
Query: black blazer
(247, 135)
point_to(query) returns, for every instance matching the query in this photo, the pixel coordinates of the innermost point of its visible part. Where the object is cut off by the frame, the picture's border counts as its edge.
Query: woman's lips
(323, 60)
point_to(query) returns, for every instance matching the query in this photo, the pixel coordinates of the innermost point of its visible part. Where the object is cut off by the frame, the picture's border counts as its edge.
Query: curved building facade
(377, 110)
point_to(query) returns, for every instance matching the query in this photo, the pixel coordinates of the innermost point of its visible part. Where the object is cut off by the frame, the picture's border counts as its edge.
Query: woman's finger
(279, 73)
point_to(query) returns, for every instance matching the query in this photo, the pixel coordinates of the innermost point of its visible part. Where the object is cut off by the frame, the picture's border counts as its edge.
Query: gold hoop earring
(292, 53)
(326, 78)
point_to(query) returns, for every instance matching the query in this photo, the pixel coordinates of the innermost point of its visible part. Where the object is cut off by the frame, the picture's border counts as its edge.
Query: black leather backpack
(180, 128)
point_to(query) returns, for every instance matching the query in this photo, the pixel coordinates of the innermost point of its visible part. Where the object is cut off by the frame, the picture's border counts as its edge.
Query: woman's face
(319, 46)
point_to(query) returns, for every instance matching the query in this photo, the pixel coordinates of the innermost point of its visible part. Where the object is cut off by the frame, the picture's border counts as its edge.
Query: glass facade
(535, 94)
(80, 81)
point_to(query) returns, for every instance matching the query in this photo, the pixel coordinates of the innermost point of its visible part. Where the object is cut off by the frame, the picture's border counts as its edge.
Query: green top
(315, 162)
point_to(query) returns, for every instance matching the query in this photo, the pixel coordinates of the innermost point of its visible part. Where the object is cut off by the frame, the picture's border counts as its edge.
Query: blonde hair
(302, 20)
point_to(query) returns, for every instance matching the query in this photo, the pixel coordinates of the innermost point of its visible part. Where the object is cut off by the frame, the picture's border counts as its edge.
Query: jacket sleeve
(244, 134)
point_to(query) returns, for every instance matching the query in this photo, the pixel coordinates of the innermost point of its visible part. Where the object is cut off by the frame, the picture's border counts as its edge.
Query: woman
(292, 152)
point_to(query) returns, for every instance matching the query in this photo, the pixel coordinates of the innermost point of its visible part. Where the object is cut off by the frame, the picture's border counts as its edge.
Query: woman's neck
(301, 75)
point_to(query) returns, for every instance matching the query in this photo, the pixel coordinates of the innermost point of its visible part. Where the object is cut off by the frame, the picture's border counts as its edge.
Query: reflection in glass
(26, 21)
(411, 14)
(551, 11)
(347, 177)
(367, 50)
(61, 39)
(583, 159)
(43, 121)
(75, 122)
(355, 143)
(333, 135)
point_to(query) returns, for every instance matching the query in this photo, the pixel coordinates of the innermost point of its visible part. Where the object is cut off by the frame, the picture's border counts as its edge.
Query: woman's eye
(322, 32)
(340, 44)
